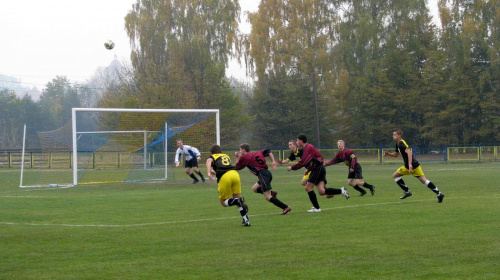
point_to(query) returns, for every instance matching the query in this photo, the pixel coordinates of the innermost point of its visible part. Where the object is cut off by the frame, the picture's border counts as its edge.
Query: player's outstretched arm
(391, 154)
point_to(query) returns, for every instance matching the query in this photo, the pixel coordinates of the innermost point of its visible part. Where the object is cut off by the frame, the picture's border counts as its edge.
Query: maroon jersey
(310, 158)
(346, 156)
(255, 161)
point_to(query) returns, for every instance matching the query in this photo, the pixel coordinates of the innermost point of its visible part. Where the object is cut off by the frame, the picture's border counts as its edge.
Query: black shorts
(191, 163)
(357, 174)
(265, 178)
(318, 174)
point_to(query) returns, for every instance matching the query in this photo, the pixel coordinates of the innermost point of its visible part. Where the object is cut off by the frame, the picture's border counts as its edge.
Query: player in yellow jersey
(411, 167)
(228, 180)
(295, 153)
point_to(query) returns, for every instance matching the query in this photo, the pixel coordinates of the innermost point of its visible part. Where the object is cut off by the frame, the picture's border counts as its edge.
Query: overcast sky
(40, 40)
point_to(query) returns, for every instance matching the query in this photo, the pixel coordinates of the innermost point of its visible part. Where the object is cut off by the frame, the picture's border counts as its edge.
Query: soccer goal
(107, 145)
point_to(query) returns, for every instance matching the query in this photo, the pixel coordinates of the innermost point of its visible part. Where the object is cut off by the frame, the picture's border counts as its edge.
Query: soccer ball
(109, 45)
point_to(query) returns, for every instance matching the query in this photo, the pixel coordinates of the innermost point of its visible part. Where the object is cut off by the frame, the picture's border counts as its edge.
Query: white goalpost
(104, 145)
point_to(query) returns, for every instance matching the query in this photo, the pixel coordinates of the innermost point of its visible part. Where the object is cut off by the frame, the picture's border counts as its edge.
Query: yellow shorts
(306, 177)
(229, 184)
(417, 172)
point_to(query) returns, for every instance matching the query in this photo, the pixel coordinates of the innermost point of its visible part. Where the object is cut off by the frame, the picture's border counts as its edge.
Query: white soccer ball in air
(109, 45)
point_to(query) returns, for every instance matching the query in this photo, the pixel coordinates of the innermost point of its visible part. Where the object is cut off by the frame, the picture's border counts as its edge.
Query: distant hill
(13, 84)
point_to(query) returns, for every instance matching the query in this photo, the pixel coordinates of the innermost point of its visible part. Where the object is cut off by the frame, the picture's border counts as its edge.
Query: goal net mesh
(115, 146)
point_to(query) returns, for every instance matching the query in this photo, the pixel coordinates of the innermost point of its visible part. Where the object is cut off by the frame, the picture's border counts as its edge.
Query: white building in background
(111, 72)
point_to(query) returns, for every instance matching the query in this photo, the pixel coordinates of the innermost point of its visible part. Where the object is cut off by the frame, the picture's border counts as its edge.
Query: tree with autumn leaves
(376, 65)
(329, 68)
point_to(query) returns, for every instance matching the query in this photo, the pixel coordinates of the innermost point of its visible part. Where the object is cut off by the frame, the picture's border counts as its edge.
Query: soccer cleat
(203, 179)
(361, 194)
(286, 210)
(372, 190)
(407, 194)
(314, 210)
(330, 195)
(344, 193)
(241, 200)
(274, 193)
(440, 197)
(246, 224)
(196, 182)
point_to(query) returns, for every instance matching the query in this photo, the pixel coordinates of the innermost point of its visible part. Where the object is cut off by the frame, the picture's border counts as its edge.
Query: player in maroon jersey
(313, 161)
(256, 163)
(355, 175)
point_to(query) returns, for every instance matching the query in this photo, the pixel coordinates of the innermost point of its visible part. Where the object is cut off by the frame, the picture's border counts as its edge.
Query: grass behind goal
(180, 231)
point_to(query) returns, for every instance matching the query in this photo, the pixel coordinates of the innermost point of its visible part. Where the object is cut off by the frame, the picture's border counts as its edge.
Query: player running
(313, 161)
(355, 175)
(228, 181)
(191, 158)
(411, 167)
(256, 163)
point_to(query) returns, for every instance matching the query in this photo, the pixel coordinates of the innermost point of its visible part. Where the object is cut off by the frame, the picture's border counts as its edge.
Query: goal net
(104, 145)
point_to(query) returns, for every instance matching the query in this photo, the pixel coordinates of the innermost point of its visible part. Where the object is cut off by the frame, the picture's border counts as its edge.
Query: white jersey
(188, 152)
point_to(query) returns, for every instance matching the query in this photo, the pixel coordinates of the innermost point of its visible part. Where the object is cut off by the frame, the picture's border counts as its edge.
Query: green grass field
(180, 231)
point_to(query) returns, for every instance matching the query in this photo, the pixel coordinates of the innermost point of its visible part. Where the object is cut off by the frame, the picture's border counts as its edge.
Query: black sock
(244, 215)
(359, 189)
(313, 199)
(194, 177)
(402, 185)
(278, 203)
(333, 191)
(433, 188)
(201, 175)
(233, 201)
(368, 186)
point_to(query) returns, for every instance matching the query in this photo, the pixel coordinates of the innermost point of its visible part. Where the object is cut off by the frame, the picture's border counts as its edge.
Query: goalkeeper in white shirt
(191, 158)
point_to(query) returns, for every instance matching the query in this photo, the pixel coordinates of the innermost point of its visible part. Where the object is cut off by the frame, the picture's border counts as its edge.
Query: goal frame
(74, 111)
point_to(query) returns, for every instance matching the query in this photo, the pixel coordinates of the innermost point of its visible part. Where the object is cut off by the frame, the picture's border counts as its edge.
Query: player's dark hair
(302, 137)
(245, 147)
(398, 131)
(216, 149)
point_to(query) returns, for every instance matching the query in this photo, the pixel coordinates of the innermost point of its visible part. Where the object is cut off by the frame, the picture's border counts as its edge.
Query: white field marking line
(223, 218)
(54, 189)
(28, 196)
(449, 169)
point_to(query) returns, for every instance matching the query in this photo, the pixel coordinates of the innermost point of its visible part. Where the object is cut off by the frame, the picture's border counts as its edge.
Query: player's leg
(256, 188)
(429, 184)
(331, 192)
(234, 184)
(309, 187)
(188, 164)
(359, 175)
(197, 171)
(351, 181)
(320, 181)
(354, 183)
(265, 178)
(311, 181)
(226, 196)
(312, 197)
(397, 176)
